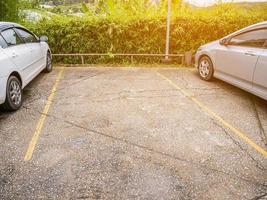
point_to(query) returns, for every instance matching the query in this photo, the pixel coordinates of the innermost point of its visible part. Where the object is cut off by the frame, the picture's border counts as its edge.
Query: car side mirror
(224, 41)
(43, 38)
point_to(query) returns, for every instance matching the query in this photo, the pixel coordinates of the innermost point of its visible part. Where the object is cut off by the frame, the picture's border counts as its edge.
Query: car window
(3, 43)
(255, 38)
(11, 37)
(26, 36)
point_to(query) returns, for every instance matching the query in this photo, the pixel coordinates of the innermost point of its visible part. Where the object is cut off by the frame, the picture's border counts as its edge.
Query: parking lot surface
(133, 133)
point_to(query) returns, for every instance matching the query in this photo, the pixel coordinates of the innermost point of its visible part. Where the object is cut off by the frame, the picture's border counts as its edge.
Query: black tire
(205, 68)
(49, 66)
(13, 102)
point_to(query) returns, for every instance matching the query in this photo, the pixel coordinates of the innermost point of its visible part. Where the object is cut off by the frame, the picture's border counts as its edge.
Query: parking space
(133, 133)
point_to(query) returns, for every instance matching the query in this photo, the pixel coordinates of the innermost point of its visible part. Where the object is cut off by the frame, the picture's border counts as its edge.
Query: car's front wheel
(13, 94)
(205, 68)
(48, 67)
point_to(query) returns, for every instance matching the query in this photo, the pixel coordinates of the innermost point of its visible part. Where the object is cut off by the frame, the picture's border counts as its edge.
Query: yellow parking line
(41, 121)
(239, 133)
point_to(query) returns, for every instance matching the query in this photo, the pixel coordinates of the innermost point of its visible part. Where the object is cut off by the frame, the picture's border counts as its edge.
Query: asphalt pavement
(133, 133)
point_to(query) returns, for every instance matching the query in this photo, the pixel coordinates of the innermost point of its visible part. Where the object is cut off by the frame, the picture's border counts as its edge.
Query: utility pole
(168, 31)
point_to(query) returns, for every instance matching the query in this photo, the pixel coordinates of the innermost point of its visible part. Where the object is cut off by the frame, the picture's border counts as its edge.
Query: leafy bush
(8, 10)
(143, 34)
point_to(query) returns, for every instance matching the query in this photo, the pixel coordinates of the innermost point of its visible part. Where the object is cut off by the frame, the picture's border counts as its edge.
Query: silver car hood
(210, 44)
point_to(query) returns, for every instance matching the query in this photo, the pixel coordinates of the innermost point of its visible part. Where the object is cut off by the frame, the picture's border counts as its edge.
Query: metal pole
(168, 31)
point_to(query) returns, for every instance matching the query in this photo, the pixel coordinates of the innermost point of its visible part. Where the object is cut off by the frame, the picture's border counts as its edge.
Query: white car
(22, 57)
(239, 59)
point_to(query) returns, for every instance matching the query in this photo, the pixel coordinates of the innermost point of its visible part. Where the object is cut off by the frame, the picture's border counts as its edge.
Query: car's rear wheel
(13, 94)
(48, 67)
(205, 68)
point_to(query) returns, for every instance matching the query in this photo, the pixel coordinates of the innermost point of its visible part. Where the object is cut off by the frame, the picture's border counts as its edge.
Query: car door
(18, 52)
(260, 75)
(5, 63)
(236, 61)
(5, 66)
(34, 47)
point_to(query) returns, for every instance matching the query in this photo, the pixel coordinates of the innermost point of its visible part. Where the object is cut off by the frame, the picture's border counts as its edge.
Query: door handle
(250, 53)
(14, 55)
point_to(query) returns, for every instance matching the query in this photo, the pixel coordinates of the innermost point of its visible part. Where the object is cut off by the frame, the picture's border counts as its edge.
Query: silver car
(239, 59)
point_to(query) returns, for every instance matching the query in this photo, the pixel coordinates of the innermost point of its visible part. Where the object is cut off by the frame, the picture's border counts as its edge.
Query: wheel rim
(15, 93)
(49, 62)
(204, 68)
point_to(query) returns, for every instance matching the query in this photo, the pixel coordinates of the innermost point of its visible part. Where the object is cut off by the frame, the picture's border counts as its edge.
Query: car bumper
(2, 90)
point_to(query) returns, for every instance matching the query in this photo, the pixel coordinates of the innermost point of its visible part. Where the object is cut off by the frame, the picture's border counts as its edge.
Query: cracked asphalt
(126, 133)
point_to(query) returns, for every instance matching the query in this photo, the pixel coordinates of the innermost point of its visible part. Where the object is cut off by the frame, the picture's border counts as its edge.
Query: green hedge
(91, 35)
(8, 10)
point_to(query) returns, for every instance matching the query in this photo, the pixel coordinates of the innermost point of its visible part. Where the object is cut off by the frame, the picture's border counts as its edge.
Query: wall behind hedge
(86, 35)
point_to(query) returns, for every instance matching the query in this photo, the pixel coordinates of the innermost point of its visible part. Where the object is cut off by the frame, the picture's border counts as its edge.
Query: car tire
(49, 66)
(205, 68)
(13, 94)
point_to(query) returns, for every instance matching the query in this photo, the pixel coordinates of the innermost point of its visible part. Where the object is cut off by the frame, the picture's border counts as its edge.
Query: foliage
(144, 33)
(63, 2)
(8, 10)
(66, 9)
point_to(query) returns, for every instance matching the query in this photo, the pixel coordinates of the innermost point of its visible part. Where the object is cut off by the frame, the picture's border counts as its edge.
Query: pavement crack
(214, 88)
(127, 142)
(262, 131)
(45, 95)
(187, 85)
(137, 91)
(259, 196)
(257, 164)
(134, 97)
(84, 197)
(214, 94)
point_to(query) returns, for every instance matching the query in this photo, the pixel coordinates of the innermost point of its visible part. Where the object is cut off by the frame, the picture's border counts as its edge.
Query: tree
(9, 10)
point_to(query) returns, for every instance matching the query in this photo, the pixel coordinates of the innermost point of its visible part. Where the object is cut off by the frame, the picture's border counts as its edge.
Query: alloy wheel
(204, 68)
(15, 93)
